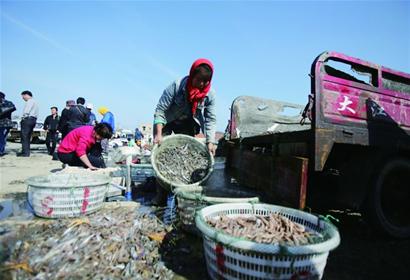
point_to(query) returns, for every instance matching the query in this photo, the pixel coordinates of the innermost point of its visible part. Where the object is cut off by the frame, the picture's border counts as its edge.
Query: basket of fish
(263, 241)
(67, 195)
(181, 161)
(190, 202)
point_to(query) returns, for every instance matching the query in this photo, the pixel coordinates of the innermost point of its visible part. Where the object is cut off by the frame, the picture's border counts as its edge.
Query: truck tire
(389, 200)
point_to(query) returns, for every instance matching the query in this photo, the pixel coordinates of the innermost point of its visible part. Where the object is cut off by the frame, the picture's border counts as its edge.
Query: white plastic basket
(67, 195)
(191, 202)
(228, 257)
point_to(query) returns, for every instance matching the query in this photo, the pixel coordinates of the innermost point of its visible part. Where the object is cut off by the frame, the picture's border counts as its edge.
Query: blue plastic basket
(139, 172)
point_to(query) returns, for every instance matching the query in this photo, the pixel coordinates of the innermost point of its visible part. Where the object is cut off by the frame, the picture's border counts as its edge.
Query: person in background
(131, 142)
(28, 122)
(188, 106)
(147, 151)
(80, 146)
(51, 126)
(93, 118)
(137, 146)
(138, 135)
(108, 117)
(138, 143)
(62, 124)
(78, 115)
(6, 108)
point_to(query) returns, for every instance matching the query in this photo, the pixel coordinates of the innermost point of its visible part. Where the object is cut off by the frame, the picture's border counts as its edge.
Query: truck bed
(276, 164)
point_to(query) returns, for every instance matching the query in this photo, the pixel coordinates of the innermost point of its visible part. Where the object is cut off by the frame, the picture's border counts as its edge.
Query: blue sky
(122, 54)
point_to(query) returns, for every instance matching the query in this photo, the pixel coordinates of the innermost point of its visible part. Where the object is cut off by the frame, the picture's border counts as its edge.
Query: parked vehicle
(38, 137)
(118, 142)
(355, 152)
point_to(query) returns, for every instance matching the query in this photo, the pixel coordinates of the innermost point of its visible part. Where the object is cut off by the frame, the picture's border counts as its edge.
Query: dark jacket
(51, 123)
(6, 108)
(78, 116)
(62, 124)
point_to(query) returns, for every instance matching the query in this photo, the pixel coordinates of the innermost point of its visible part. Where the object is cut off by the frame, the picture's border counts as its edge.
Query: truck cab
(348, 147)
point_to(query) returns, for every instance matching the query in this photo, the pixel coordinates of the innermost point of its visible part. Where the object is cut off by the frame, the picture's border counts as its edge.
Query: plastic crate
(139, 172)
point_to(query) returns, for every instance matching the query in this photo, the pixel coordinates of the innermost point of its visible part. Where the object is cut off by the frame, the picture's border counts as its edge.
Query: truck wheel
(389, 200)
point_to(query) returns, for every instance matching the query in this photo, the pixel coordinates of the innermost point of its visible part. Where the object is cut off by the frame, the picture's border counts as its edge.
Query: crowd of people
(187, 106)
(81, 133)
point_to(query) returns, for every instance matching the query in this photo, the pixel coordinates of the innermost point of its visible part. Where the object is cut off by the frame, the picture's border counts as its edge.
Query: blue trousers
(3, 138)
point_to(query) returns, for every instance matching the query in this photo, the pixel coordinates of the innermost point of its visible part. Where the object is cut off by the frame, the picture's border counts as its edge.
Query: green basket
(190, 202)
(175, 140)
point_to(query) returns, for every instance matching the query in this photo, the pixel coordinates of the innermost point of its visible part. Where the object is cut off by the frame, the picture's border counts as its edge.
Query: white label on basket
(45, 202)
(85, 199)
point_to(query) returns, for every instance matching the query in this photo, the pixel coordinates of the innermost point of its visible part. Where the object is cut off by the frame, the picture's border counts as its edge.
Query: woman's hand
(158, 133)
(211, 148)
(158, 139)
(87, 162)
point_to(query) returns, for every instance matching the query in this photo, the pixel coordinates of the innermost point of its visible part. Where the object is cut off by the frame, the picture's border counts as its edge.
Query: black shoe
(22, 155)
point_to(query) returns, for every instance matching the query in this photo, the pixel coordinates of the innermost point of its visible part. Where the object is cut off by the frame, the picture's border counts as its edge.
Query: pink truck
(349, 147)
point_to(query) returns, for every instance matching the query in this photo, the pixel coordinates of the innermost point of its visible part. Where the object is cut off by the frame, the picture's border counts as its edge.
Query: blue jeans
(3, 138)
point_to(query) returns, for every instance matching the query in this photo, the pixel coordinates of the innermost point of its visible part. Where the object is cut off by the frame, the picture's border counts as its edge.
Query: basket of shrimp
(263, 241)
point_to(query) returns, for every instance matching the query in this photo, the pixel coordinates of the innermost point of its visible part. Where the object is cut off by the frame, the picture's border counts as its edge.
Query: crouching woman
(81, 147)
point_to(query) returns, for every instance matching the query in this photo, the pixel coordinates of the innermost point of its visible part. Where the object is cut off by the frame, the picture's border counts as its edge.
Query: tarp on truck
(252, 116)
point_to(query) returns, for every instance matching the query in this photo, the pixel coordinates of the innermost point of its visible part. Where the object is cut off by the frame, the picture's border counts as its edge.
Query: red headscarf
(195, 95)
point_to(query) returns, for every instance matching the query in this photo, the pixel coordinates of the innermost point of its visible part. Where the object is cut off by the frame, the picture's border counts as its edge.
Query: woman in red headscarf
(187, 106)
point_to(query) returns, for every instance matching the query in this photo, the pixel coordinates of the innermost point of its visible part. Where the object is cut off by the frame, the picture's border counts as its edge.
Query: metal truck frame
(355, 153)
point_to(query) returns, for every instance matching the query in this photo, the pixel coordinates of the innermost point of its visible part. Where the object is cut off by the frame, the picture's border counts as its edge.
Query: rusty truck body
(349, 147)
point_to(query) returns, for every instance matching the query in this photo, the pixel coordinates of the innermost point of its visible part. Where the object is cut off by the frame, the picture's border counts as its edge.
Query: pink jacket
(80, 140)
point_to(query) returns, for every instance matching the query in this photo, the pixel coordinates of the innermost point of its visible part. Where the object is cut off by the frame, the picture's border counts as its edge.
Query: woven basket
(67, 195)
(228, 257)
(190, 202)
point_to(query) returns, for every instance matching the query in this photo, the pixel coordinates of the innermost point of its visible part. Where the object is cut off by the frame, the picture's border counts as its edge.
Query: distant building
(147, 131)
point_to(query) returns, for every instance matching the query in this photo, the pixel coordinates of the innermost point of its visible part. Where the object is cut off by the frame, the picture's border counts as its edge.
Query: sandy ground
(15, 170)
